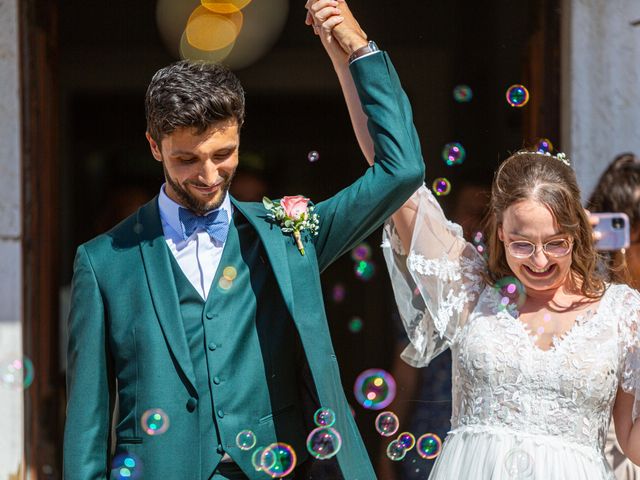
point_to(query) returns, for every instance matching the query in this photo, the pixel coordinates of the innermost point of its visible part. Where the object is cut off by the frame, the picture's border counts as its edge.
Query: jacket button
(192, 403)
(210, 315)
(220, 450)
(216, 380)
(212, 346)
(221, 413)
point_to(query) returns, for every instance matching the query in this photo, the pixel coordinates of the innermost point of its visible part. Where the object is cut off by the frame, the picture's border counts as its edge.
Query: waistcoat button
(192, 403)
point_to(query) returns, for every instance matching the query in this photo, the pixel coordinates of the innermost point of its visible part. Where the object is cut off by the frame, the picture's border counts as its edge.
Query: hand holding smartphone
(613, 229)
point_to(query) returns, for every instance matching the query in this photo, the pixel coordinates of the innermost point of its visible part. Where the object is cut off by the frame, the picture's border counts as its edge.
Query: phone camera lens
(617, 223)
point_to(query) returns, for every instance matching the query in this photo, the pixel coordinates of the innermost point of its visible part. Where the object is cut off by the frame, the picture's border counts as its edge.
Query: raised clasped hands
(338, 29)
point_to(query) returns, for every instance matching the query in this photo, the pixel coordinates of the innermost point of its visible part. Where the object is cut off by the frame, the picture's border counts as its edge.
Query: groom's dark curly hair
(193, 95)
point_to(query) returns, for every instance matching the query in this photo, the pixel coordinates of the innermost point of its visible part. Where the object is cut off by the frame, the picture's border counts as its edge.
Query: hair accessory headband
(562, 157)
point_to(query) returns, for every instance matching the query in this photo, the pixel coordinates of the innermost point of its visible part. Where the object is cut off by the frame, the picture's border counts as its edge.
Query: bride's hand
(339, 31)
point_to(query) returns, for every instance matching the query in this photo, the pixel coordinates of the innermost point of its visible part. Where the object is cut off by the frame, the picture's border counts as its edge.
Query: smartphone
(614, 231)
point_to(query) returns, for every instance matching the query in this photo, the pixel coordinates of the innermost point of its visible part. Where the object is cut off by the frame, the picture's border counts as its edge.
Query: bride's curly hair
(550, 181)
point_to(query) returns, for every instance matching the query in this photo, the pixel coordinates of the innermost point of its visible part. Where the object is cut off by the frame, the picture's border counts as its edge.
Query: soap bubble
(374, 389)
(324, 442)
(544, 145)
(387, 423)
(126, 466)
(246, 440)
(512, 294)
(407, 440)
(278, 460)
(441, 187)
(155, 421)
(518, 464)
(355, 325)
(361, 252)
(517, 95)
(429, 446)
(365, 270)
(17, 373)
(462, 93)
(453, 154)
(395, 451)
(338, 293)
(324, 417)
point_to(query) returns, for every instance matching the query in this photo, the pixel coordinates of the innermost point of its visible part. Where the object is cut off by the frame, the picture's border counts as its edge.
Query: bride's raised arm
(435, 273)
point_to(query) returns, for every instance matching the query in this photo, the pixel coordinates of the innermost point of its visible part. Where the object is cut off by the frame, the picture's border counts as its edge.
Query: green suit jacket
(124, 275)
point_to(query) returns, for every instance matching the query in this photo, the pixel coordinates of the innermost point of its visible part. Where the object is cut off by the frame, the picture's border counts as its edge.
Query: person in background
(618, 190)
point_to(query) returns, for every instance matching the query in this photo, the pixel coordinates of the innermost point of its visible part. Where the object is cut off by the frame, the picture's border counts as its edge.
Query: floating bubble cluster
(429, 446)
(278, 460)
(246, 440)
(462, 93)
(324, 442)
(441, 186)
(313, 156)
(17, 373)
(324, 417)
(519, 464)
(126, 466)
(155, 421)
(374, 389)
(517, 95)
(453, 154)
(387, 423)
(512, 294)
(544, 145)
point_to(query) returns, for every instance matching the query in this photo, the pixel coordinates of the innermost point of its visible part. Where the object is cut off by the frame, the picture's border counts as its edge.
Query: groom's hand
(332, 19)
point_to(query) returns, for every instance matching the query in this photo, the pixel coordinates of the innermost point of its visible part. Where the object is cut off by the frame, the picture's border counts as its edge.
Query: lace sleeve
(437, 284)
(630, 381)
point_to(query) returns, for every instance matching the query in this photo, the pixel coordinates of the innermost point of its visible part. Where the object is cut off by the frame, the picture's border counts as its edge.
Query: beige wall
(600, 84)
(11, 401)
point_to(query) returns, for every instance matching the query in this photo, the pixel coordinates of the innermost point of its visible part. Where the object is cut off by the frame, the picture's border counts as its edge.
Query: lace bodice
(501, 378)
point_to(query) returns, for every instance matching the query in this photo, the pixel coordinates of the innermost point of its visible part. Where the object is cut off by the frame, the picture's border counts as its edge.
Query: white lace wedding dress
(519, 412)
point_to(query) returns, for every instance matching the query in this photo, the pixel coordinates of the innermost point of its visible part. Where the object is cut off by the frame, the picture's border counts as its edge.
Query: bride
(543, 349)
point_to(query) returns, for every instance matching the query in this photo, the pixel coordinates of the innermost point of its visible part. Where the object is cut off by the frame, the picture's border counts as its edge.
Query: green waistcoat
(234, 364)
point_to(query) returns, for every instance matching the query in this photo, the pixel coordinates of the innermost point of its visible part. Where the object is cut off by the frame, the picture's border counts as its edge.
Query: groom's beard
(188, 200)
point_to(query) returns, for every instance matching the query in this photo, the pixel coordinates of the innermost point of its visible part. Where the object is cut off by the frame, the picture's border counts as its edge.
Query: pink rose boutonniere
(294, 214)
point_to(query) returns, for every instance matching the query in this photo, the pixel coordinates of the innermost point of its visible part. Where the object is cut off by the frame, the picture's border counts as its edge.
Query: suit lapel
(271, 237)
(155, 256)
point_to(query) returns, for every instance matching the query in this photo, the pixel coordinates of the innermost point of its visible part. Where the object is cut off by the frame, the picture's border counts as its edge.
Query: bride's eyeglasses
(553, 248)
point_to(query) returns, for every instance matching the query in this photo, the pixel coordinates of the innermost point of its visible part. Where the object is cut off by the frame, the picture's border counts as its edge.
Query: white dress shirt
(198, 255)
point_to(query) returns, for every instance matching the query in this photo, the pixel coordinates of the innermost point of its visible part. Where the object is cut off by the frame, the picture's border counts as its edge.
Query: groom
(201, 306)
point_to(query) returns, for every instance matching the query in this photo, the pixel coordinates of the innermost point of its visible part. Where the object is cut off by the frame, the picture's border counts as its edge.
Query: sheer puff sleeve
(630, 381)
(437, 283)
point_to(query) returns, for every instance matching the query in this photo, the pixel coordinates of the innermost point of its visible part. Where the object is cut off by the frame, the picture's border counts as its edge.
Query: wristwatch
(368, 49)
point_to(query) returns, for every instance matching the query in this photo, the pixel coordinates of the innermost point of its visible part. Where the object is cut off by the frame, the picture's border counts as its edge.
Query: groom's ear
(155, 148)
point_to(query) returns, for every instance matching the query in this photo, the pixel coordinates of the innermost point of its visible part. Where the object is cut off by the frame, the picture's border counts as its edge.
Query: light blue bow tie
(216, 224)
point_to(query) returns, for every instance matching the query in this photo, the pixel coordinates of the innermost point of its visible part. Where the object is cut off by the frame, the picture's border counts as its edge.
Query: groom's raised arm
(398, 168)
